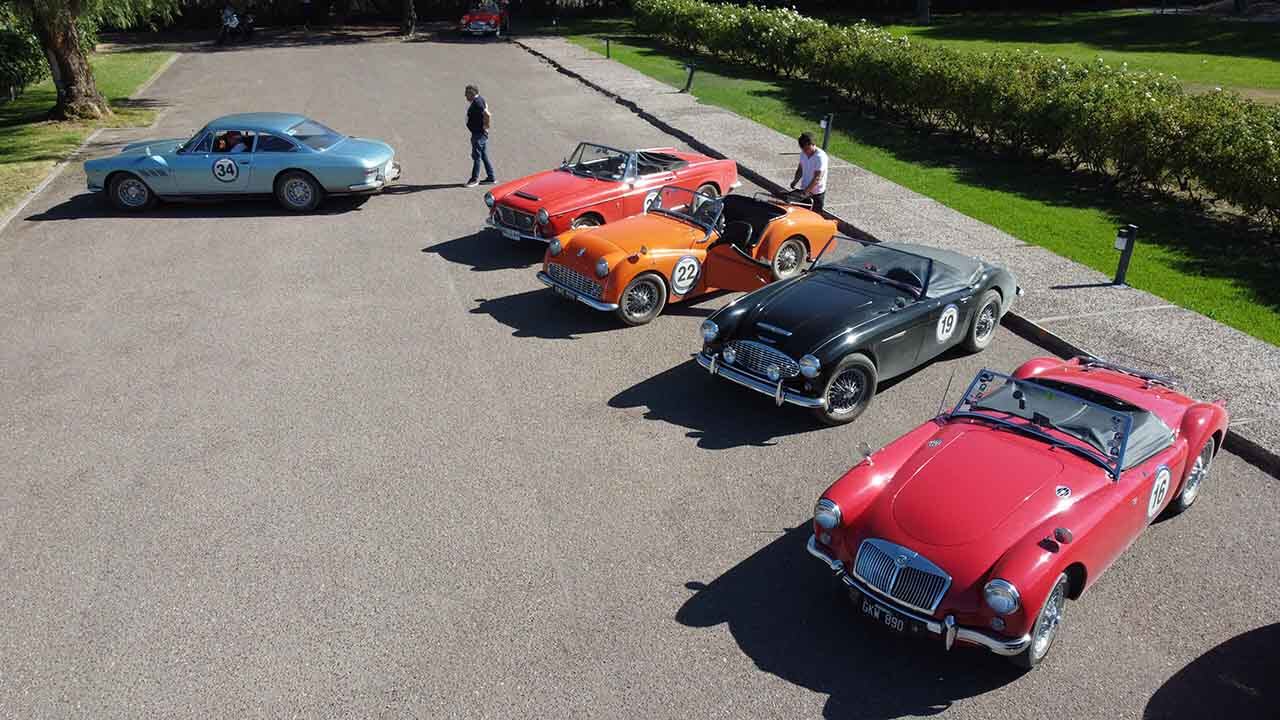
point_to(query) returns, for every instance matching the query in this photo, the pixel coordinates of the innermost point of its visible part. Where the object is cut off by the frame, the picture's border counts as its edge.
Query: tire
(1045, 629)
(709, 190)
(586, 220)
(128, 192)
(297, 191)
(982, 329)
(789, 259)
(840, 408)
(643, 299)
(1195, 481)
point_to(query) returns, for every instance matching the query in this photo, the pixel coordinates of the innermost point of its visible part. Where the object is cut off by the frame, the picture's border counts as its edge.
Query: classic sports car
(598, 185)
(685, 246)
(979, 525)
(294, 158)
(484, 18)
(862, 313)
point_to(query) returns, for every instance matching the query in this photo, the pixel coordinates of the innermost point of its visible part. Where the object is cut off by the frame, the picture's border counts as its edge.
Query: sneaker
(488, 181)
(470, 183)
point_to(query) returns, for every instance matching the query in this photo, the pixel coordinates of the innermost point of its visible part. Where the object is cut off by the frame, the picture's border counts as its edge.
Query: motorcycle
(235, 28)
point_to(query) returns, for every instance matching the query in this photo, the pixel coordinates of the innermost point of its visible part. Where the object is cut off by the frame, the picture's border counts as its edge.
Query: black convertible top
(951, 270)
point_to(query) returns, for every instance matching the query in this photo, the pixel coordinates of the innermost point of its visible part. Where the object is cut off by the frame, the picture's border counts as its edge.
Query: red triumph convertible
(598, 185)
(979, 525)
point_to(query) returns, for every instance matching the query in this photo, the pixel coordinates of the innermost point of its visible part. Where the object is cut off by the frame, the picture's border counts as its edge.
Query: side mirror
(864, 451)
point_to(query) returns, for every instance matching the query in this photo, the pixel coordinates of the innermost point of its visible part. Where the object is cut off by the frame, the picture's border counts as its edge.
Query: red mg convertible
(597, 185)
(979, 525)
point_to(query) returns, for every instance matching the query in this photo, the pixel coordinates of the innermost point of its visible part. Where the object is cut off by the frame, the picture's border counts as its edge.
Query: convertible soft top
(951, 270)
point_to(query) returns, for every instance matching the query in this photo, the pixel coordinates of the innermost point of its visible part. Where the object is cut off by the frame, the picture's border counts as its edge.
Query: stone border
(1255, 454)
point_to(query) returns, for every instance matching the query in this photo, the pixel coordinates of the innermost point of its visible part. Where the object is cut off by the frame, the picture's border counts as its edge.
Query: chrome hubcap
(1199, 473)
(986, 322)
(845, 392)
(641, 299)
(1047, 624)
(132, 192)
(788, 259)
(298, 192)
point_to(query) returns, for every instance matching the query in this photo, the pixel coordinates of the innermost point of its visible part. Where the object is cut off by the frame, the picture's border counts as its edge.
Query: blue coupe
(292, 157)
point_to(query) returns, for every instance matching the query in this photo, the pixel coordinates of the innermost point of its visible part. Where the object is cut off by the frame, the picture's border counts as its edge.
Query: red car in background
(598, 185)
(486, 18)
(979, 525)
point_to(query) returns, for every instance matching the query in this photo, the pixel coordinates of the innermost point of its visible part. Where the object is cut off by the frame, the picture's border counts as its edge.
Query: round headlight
(488, 199)
(827, 514)
(543, 217)
(730, 354)
(1001, 596)
(809, 366)
(553, 247)
(602, 267)
(709, 331)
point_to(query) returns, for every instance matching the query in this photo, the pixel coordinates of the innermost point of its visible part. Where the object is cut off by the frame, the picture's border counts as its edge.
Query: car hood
(480, 17)
(157, 147)
(556, 190)
(813, 308)
(373, 152)
(627, 236)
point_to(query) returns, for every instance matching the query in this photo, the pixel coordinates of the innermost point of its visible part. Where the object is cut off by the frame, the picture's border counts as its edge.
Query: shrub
(21, 60)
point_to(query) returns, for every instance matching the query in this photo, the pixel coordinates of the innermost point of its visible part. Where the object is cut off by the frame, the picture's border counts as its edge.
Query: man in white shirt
(811, 173)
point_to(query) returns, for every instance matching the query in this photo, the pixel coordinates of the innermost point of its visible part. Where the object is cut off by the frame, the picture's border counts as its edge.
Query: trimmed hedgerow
(1139, 127)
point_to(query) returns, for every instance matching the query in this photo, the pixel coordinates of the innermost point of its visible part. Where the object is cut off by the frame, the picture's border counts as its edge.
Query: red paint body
(567, 197)
(981, 504)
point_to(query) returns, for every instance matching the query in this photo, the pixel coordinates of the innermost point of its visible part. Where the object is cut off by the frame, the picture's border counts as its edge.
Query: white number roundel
(947, 323)
(226, 170)
(685, 274)
(1159, 490)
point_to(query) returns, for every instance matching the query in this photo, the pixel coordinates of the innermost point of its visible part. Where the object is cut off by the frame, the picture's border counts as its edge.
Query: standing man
(478, 123)
(811, 173)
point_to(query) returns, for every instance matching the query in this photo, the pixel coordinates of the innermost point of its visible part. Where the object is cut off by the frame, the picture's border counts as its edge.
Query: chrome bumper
(587, 300)
(513, 234)
(947, 629)
(777, 392)
(378, 184)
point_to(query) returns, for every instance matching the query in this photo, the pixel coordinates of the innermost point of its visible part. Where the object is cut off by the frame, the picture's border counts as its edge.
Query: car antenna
(943, 402)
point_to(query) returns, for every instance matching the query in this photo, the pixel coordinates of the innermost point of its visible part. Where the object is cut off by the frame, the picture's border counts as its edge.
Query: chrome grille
(515, 218)
(575, 280)
(758, 358)
(902, 574)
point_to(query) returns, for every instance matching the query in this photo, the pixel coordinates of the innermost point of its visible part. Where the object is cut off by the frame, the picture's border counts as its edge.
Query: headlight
(709, 331)
(827, 514)
(809, 366)
(602, 268)
(488, 199)
(1001, 596)
(554, 247)
(543, 217)
(730, 354)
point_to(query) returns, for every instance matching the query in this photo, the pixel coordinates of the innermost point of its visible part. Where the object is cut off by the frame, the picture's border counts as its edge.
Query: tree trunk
(922, 12)
(408, 18)
(78, 96)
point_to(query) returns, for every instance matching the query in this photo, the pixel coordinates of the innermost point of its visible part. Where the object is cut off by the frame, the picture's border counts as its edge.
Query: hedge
(22, 61)
(1140, 128)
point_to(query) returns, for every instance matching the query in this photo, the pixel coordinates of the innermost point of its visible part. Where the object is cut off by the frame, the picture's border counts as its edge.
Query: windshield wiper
(1030, 430)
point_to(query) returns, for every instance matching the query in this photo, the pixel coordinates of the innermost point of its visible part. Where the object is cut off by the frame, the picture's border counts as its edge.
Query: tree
(60, 26)
(922, 12)
(408, 18)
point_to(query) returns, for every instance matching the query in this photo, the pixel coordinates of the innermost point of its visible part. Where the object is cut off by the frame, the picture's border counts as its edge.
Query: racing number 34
(226, 170)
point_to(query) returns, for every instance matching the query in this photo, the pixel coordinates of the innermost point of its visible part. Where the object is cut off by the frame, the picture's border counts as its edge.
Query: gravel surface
(362, 464)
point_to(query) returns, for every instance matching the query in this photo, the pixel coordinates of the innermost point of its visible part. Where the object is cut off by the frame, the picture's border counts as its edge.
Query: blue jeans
(480, 153)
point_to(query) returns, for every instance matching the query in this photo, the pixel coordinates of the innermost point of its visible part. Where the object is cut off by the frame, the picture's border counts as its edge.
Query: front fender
(858, 488)
(1200, 423)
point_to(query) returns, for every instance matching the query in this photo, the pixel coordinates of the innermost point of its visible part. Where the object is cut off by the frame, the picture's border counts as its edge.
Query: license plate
(511, 234)
(880, 614)
(563, 292)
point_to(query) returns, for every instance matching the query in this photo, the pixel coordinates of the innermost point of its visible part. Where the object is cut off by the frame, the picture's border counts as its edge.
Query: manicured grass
(1201, 51)
(31, 145)
(1215, 268)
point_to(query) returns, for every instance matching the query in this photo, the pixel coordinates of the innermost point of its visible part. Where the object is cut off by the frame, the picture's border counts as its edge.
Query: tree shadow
(543, 314)
(92, 205)
(790, 616)
(1236, 679)
(486, 250)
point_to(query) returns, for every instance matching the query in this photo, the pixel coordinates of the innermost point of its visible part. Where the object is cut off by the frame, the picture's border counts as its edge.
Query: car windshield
(1111, 432)
(688, 206)
(314, 135)
(597, 161)
(189, 142)
(878, 262)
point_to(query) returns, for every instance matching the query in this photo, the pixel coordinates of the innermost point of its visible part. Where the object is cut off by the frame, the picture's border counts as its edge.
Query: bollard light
(826, 124)
(688, 81)
(608, 53)
(1126, 238)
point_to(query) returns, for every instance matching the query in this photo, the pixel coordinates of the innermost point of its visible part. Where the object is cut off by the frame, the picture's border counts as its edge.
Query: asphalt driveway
(361, 463)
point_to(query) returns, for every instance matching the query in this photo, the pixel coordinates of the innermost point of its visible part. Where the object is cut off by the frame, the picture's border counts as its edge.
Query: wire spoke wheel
(788, 259)
(846, 391)
(1046, 628)
(1199, 473)
(986, 323)
(641, 299)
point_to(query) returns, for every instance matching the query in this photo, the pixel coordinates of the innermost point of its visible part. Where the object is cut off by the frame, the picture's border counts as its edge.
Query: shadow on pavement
(92, 205)
(1236, 679)
(542, 314)
(407, 189)
(485, 251)
(789, 615)
(687, 396)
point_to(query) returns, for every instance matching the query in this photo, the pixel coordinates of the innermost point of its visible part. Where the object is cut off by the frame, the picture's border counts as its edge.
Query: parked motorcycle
(235, 27)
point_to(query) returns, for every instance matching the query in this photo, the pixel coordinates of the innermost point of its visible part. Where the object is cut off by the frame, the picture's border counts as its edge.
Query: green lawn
(1215, 268)
(31, 145)
(1203, 52)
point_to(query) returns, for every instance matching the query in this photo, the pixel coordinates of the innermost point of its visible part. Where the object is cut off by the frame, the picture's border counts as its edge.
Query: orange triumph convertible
(685, 245)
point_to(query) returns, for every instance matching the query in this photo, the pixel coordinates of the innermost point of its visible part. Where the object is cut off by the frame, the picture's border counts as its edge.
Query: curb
(61, 165)
(1264, 459)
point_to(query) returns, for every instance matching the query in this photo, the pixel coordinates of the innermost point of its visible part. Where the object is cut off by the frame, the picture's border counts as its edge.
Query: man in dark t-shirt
(478, 124)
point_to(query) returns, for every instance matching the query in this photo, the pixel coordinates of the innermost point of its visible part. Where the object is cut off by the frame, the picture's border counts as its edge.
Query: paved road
(361, 464)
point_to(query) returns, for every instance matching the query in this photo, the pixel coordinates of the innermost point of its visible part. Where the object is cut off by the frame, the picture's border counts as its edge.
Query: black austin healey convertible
(860, 314)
